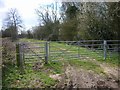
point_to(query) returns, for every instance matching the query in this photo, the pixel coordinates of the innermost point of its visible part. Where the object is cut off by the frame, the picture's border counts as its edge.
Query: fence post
(23, 56)
(46, 52)
(78, 49)
(19, 56)
(105, 49)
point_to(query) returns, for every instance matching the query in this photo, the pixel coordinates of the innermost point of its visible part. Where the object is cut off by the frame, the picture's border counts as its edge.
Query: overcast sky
(26, 9)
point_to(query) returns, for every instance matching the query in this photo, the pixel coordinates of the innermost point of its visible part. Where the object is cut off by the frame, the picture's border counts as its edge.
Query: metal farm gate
(83, 49)
(75, 50)
(66, 50)
(32, 52)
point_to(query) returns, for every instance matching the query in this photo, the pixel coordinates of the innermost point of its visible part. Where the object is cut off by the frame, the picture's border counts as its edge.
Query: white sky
(26, 9)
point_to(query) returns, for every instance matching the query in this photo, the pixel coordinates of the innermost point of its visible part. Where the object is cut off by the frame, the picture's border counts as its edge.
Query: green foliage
(114, 18)
(47, 32)
(69, 26)
(71, 12)
(96, 20)
(29, 34)
(90, 22)
(68, 30)
(12, 78)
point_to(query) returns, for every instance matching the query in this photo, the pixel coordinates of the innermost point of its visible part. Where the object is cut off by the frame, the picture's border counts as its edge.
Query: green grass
(29, 40)
(56, 67)
(87, 65)
(13, 78)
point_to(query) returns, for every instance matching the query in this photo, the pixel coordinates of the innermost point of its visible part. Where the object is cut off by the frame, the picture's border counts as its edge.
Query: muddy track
(111, 71)
(75, 77)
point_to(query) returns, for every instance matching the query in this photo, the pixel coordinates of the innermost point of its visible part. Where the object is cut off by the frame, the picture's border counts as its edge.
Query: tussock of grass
(56, 67)
(87, 65)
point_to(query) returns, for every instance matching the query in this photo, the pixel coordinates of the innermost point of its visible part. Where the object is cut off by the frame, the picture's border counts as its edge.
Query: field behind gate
(70, 65)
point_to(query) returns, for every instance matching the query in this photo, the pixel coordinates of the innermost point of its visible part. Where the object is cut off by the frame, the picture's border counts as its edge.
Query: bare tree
(49, 21)
(13, 22)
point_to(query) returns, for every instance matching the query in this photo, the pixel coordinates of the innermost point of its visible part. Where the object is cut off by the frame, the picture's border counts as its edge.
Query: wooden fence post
(105, 49)
(46, 52)
(19, 56)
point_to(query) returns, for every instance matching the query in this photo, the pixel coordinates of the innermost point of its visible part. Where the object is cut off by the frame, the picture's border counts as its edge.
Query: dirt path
(79, 78)
(111, 71)
(75, 77)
